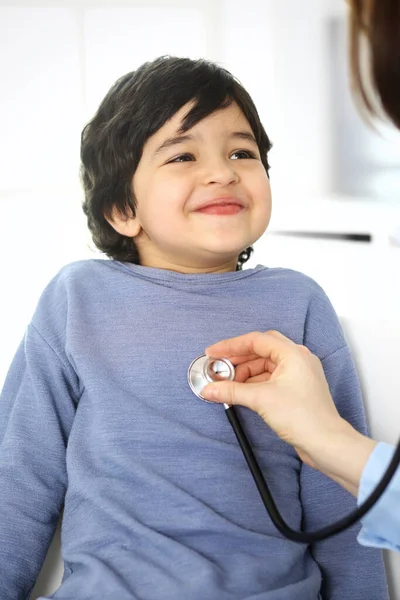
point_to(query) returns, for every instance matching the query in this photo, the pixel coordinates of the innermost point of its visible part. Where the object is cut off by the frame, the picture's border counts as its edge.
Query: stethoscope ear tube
(299, 536)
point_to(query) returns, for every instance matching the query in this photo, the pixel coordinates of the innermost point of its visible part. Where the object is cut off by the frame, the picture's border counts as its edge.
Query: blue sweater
(96, 414)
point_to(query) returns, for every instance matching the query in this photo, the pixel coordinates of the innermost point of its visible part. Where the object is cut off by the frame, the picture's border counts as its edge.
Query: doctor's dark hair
(137, 106)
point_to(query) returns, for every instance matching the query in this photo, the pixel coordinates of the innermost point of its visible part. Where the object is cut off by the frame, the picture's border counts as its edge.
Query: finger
(271, 345)
(278, 335)
(259, 378)
(253, 368)
(238, 360)
(268, 375)
(233, 347)
(233, 393)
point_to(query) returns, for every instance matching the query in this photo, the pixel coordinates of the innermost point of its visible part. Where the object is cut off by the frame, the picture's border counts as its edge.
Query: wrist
(341, 453)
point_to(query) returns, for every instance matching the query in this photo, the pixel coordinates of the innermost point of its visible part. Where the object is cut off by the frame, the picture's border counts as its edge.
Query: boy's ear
(125, 224)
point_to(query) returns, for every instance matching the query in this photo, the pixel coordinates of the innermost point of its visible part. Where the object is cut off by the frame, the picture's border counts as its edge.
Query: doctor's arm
(290, 392)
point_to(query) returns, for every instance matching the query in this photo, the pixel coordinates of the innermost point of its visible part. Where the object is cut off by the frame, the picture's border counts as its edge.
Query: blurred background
(335, 180)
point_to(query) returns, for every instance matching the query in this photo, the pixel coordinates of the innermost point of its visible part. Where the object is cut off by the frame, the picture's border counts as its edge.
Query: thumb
(232, 392)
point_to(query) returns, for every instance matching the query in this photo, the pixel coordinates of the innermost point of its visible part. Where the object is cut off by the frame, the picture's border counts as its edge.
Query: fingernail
(210, 392)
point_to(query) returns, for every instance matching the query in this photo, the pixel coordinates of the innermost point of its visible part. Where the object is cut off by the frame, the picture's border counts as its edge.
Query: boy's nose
(223, 173)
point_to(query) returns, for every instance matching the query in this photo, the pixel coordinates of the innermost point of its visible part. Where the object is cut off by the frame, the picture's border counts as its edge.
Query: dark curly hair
(137, 106)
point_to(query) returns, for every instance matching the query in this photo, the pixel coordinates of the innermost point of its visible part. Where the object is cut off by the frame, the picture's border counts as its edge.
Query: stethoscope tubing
(307, 537)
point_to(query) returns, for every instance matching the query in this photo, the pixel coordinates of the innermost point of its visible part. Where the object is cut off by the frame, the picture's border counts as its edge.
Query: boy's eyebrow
(243, 135)
(173, 141)
(180, 139)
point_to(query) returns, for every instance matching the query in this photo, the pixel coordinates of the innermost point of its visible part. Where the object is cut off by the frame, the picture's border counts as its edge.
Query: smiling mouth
(221, 209)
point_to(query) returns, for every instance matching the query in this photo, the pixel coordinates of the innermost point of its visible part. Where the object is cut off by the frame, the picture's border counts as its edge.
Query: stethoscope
(204, 370)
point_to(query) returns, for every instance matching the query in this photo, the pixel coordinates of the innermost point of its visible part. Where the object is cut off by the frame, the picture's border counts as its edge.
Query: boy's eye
(182, 158)
(242, 154)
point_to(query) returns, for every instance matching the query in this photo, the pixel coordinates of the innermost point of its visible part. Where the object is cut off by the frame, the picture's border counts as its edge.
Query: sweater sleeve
(37, 406)
(381, 525)
(349, 571)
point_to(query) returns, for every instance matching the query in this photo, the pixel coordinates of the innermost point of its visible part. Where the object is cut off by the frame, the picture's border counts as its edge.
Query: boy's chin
(228, 251)
(233, 242)
(213, 259)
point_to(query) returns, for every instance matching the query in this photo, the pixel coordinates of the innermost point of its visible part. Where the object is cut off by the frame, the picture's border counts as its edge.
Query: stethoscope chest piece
(204, 370)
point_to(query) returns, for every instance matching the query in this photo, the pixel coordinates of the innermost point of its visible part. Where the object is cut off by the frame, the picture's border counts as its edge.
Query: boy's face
(202, 197)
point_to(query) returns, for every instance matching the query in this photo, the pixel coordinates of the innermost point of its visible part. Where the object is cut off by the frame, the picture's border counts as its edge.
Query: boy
(96, 412)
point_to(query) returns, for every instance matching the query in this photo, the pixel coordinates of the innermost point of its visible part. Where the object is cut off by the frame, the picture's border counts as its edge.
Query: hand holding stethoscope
(290, 392)
(285, 384)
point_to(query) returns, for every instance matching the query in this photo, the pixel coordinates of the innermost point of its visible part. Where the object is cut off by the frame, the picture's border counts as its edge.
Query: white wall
(58, 58)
